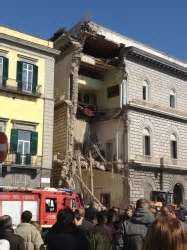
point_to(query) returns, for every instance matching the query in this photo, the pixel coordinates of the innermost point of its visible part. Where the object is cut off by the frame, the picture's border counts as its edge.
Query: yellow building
(26, 107)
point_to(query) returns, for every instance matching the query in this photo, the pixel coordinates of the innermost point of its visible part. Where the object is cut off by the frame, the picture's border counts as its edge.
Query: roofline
(24, 43)
(164, 54)
(156, 58)
(25, 33)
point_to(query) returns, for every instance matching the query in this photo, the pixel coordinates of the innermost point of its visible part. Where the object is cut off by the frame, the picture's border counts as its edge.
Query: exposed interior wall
(112, 78)
(110, 131)
(117, 188)
(81, 131)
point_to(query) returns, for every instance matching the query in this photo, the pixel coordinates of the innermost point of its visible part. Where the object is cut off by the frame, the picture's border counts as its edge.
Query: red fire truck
(43, 203)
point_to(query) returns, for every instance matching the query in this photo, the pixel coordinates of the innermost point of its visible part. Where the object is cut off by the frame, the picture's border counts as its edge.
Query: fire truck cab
(43, 203)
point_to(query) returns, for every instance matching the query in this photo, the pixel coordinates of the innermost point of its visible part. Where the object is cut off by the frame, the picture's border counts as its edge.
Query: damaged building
(120, 116)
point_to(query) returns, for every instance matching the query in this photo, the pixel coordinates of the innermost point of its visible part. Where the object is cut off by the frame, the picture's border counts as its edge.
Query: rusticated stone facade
(108, 59)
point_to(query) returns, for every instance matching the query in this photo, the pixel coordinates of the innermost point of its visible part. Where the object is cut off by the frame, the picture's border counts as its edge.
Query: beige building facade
(26, 107)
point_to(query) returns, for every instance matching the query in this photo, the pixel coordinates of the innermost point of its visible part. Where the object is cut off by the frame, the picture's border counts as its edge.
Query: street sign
(3, 147)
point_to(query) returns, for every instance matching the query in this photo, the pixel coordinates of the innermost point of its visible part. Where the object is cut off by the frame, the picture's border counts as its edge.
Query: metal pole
(1, 173)
(91, 174)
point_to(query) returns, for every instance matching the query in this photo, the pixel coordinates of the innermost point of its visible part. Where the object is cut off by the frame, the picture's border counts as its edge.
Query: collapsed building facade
(120, 117)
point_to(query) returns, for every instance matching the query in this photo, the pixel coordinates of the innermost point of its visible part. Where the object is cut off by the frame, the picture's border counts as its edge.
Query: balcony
(18, 160)
(11, 87)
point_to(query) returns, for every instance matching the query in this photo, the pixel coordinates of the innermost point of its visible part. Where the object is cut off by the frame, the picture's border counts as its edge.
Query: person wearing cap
(30, 234)
(8, 239)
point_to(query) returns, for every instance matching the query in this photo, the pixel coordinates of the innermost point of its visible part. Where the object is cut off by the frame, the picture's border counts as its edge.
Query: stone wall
(144, 180)
(145, 177)
(60, 131)
(161, 130)
(160, 85)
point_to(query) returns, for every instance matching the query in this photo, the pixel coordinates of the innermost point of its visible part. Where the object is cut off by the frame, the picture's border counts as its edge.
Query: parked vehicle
(43, 203)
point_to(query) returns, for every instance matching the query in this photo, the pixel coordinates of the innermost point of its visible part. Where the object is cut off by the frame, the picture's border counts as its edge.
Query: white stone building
(130, 101)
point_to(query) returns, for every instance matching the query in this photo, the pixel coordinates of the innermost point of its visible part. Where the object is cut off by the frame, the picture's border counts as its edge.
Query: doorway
(178, 192)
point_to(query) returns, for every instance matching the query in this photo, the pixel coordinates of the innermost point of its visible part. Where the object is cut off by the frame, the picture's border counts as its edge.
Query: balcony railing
(164, 161)
(23, 160)
(13, 88)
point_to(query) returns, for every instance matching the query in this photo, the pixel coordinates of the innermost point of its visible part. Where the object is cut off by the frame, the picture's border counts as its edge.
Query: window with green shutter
(34, 143)
(27, 77)
(1, 71)
(19, 74)
(35, 79)
(5, 70)
(14, 140)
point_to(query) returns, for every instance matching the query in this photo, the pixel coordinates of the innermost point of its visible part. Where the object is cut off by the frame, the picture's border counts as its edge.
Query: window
(147, 142)
(27, 77)
(23, 148)
(105, 199)
(173, 142)
(1, 71)
(113, 91)
(51, 205)
(145, 91)
(2, 126)
(23, 144)
(109, 151)
(172, 99)
(87, 98)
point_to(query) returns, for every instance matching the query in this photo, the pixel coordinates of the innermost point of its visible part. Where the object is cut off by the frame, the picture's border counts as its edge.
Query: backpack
(4, 244)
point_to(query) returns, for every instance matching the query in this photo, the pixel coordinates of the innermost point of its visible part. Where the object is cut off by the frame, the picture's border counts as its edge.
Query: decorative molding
(27, 58)
(24, 122)
(2, 119)
(3, 51)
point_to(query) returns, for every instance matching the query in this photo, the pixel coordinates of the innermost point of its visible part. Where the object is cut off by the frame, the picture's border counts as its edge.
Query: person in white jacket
(30, 234)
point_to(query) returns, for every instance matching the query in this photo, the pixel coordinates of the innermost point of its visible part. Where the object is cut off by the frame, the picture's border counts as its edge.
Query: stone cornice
(144, 166)
(157, 112)
(155, 61)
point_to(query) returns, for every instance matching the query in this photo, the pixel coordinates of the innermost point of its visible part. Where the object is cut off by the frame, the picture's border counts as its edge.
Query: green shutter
(19, 74)
(18, 158)
(34, 143)
(28, 160)
(35, 78)
(14, 140)
(5, 70)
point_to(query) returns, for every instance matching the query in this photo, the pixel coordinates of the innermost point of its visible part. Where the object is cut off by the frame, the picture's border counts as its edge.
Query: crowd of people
(139, 228)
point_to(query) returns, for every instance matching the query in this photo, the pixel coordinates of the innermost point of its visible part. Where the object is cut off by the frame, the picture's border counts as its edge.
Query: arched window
(172, 99)
(147, 142)
(173, 145)
(145, 91)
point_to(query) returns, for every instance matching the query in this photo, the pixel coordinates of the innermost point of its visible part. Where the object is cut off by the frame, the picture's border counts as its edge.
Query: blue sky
(158, 23)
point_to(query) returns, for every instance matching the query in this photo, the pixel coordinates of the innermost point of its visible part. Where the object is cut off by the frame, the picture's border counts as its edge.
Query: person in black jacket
(7, 234)
(136, 228)
(65, 235)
